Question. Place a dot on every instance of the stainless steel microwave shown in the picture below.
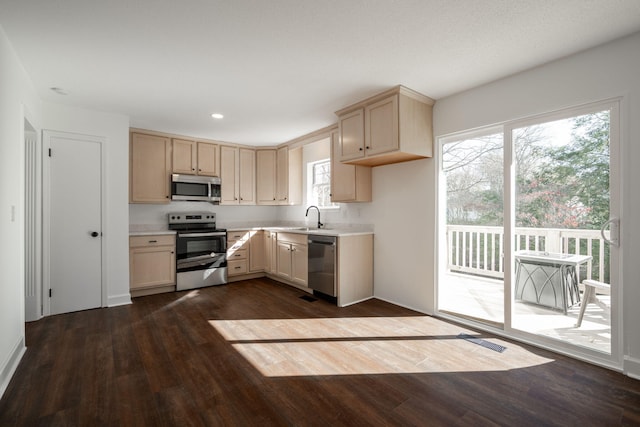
(195, 188)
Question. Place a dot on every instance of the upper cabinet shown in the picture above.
(349, 183)
(289, 176)
(237, 173)
(149, 168)
(195, 157)
(266, 177)
(208, 159)
(394, 126)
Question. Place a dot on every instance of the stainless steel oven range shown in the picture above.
(201, 250)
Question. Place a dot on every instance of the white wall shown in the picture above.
(115, 129)
(605, 72)
(18, 98)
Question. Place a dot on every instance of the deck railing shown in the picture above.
(478, 250)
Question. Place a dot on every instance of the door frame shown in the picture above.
(46, 214)
(616, 359)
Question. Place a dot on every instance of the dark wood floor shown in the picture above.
(249, 354)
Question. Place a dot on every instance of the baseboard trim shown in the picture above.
(631, 367)
(419, 310)
(11, 364)
(116, 300)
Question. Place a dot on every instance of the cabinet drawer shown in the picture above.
(300, 239)
(151, 240)
(236, 254)
(237, 245)
(237, 267)
(237, 235)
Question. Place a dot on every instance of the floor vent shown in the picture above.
(495, 347)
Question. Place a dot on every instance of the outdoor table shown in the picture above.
(548, 279)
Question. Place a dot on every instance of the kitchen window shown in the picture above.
(319, 184)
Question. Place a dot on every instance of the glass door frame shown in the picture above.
(613, 360)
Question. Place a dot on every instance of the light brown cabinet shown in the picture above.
(392, 127)
(237, 173)
(292, 258)
(266, 177)
(152, 264)
(185, 156)
(195, 157)
(279, 176)
(349, 183)
(289, 176)
(354, 269)
(238, 243)
(149, 168)
(208, 159)
(270, 252)
(257, 251)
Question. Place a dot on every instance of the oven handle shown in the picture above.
(213, 234)
(192, 262)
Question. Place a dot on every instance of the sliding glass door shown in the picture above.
(528, 230)
(472, 273)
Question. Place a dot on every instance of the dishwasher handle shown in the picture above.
(321, 242)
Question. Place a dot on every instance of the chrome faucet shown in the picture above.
(307, 214)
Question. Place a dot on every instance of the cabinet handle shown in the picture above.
(360, 148)
(153, 241)
(367, 147)
(238, 268)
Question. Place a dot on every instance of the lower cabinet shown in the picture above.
(283, 256)
(152, 264)
(292, 258)
(270, 252)
(238, 252)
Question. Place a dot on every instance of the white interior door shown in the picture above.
(73, 202)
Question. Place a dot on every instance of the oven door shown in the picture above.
(203, 247)
(201, 260)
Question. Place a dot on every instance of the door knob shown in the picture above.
(94, 234)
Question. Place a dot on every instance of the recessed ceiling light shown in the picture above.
(217, 116)
(59, 90)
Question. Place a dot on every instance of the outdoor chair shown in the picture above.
(590, 288)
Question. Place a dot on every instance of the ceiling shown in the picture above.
(278, 69)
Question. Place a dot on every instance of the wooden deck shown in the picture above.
(483, 298)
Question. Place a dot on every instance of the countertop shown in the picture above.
(342, 230)
(148, 230)
(329, 231)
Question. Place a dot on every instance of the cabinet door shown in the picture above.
(381, 126)
(299, 264)
(152, 266)
(150, 169)
(257, 251)
(208, 159)
(228, 175)
(343, 176)
(247, 176)
(184, 156)
(266, 177)
(282, 175)
(349, 183)
(284, 259)
(351, 128)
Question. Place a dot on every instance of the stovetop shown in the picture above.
(194, 222)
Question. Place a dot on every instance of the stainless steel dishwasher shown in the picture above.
(322, 264)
